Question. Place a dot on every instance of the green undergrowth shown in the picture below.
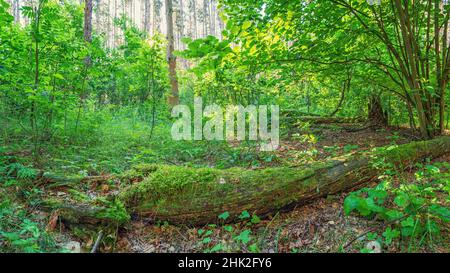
(21, 230)
(414, 211)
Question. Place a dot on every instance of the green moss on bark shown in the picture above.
(187, 195)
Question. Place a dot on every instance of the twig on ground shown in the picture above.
(97, 242)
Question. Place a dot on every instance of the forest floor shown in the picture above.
(320, 226)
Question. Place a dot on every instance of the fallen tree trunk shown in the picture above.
(197, 196)
(323, 120)
(87, 212)
(296, 112)
(54, 181)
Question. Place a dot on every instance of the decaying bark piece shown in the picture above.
(197, 196)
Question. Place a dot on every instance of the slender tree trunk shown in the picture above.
(87, 60)
(445, 74)
(33, 110)
(174, 97)
(157, 16)
(345, 87)
(212, 17)
(88, 27)
(205, 18)
(147, 16)
(194, 8)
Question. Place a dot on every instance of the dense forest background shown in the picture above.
(192, 18)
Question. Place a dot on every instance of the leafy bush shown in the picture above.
(415, 211)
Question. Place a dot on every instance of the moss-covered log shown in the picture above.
(293, 115)
(197, 196)
(89, 212)
(322, 120)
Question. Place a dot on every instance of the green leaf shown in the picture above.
(244, 215)
(353, 202)
(433, 227)
(246, 25)
(235, 30)
(390, 234)
(244, 236)
(374, 207)
(58, 76)
(350, 147)
(255, 219)
(228, 228)
(371, 236)
(224, 216)
(408, 222)
(253, 248)
(442, 212)
(402, 200)
(365, 250)
(217, 248)
(394, 214)
(432, 169)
